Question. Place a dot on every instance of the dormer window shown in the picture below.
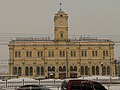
(61, 15)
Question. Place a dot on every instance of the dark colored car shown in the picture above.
(79, 84)
(32, 87)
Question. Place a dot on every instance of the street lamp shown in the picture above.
(102, 68)
(115, 62)
(66, 64)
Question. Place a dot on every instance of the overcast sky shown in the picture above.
(36, 16)
(86, 17)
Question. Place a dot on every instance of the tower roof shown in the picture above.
(60, 12)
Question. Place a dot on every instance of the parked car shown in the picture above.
(32, 87)
(79, 84)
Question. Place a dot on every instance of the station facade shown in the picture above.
(61, 57)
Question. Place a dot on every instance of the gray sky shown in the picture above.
(36, 16)
(86, 17)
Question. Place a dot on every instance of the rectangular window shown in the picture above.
(73, 53)
(17, 54)
(94, 53)
(50, 53)
(62, 53)
(39, 54)
(105, 53)
(28, 53)
(84, 53)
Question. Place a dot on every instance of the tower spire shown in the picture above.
(60, 6)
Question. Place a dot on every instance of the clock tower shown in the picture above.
(61, 26)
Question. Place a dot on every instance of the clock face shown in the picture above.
(61, 22)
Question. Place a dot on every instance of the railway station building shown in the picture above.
(62, 56)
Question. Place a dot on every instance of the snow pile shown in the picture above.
(98, 77)
(22, 78)
(88, 78)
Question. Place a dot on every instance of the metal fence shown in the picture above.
(13, 84)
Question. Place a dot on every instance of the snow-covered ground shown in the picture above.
(12, 83)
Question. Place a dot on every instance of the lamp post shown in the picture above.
(66, 64)
(102, 68)
(115, 62)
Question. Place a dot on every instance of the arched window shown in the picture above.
(93, 70)
(108, 70)
(64, 68)
(19, 71)
(49, 68)
(42, 70)
(15, 71)
(104, 70)
(38, 70)
(82, 70)
(71, 68)
(26, 71)
(53, 68)
(60, 68)
(97, 70)
(75, 68)
(61, 35)
(86, 70)
(31, 71)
